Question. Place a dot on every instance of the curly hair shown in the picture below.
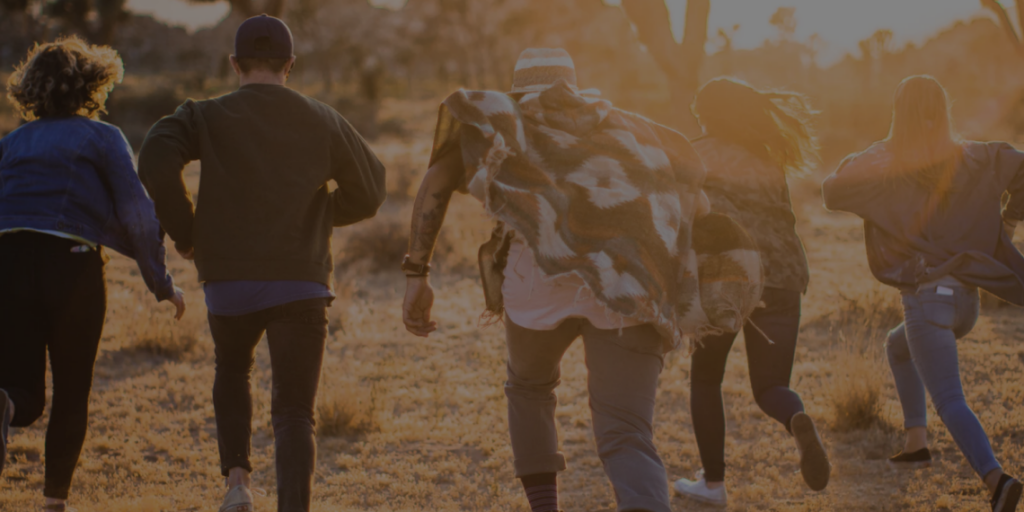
(64, 78)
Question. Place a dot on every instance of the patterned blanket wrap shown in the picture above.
(608, 195)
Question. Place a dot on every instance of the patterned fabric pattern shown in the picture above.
(754, 193)
(593, 190)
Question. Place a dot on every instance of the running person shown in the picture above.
(68, 188)
(261, 240)
(753, 140)
(935, 229)
(595, 203)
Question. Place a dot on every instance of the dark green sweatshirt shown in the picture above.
(267, 154)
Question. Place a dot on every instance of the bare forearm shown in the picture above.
(431, 206)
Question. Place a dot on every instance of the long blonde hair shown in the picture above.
(774, 125)
(924, 147)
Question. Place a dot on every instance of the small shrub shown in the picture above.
(383, 244)
(156, 332)
(855, 386)
(864, 316)
(343, 408)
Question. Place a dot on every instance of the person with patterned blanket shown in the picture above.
(596, 237)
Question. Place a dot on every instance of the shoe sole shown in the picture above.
(699, 498)
(1010, 499)
(814, 465)
(237, 507)
(909, 466)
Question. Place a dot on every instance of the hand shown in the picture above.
(188, 255)
(179, 303)
(419, 299)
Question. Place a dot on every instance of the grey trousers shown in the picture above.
(622, 382)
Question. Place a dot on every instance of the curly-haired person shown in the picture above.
(68, 188)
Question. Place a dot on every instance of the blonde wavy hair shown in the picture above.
(65, 78)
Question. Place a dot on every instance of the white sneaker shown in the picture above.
(698, 490)
(238, 499)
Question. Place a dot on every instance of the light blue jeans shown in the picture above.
(922, 355)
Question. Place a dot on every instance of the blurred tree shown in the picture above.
(249, 8)
(96, 20)
(1004, 20)
(784, 20)
(681, 62)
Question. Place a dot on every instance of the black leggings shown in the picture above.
(51, 299)
(296, 333)
(770, 368)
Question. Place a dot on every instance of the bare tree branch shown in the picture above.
(1004, 19)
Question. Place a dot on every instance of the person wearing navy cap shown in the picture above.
(261, 242)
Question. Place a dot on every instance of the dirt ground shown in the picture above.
(410, 424)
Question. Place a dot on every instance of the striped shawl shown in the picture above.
(607, 195)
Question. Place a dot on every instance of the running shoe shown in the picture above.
(698, 490)
(814, 464)
(238, 499)
(1007, 495)
(915, 460)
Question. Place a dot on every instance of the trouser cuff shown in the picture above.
(553, 463)
(226, 467)
(645, 503)
(915, 422)
(56, 492)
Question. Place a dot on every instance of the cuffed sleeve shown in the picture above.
(136, 213)
(1011, 162)
(169, 146)
(359, 175)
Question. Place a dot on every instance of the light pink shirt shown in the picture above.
(536, 301)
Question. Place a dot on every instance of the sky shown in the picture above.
(841, 23)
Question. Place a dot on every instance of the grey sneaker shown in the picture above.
(814, 464)
(698, 490)
(238, 499)
(5, 425)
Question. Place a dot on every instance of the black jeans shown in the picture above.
(296, 333)
(770, 368)
(51, 299)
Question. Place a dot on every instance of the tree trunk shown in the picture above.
(681, 63)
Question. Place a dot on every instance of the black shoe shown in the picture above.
(814, 465)
(917, 460)
(1007, 494)
(5, 425)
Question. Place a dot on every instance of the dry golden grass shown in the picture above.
(411, 424)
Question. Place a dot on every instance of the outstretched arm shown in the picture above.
(440, 182)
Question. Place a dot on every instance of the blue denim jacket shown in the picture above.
(78, 176)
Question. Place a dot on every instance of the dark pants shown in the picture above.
(296, 333)
(770, 368)
(51, 299)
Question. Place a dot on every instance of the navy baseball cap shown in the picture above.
(263, 37)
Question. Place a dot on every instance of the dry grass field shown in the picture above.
(410, 424)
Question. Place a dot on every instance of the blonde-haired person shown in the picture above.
(935, 229)
(68, 188)
(753, 140)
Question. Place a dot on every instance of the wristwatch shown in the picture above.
(415, 269)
